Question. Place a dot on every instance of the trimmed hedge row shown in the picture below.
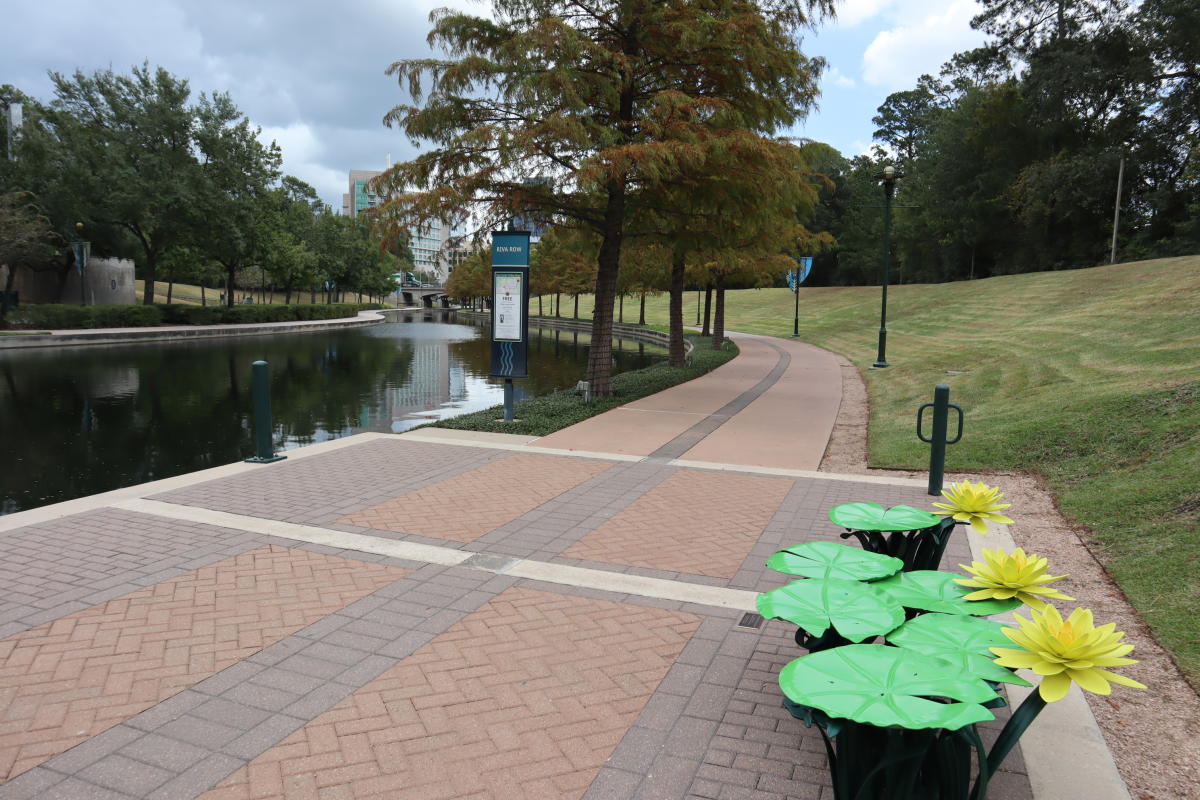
(42, 317)
(226, 315)
(63, 317)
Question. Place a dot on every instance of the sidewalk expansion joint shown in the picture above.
(581, 577)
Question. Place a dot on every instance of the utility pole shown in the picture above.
(1117, 211)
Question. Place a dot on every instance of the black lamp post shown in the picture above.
(82, 251)
(888, 178)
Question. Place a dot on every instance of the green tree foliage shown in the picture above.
(573, 110)
(26, 237)
(1011, 159)
(132, 158)
(472, 277)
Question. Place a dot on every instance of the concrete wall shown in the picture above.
(109, 282)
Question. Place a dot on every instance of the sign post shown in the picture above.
(510, 307)
(795, 278)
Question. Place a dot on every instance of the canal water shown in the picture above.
(82, 420)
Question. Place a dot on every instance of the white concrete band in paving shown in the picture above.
(635, 584)
(525, 444)
(618, 582)
(880, 480)
(93, 502)
(1065, 752)
(502, 441)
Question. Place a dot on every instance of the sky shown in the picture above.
(311, 73)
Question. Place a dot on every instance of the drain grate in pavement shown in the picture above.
(751, 621)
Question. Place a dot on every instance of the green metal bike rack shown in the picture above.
(937, 440)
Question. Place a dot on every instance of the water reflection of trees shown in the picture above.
(68, 434)
(80, 421)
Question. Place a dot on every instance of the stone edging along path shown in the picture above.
(71, 338)
(635, 332)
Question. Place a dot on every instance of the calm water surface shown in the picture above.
(84, 420)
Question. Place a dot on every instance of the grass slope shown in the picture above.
(1089, 378)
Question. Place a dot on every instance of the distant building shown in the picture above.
(361, 197)
(428, 243)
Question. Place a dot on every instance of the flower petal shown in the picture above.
(1054, 687)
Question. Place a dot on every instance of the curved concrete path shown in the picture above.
(773, 406)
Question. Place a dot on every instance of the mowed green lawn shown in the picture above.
(1090, 378)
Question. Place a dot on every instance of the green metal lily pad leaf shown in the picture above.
(886, 687)
(873, 517)
(831, 560)
(959, 639)
(856, 610)
(934, 590)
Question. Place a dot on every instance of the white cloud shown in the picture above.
(898, 56)
(302, 151)
(839, 79)
(852, 12)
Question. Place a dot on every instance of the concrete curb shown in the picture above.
(1065, 752)
(182, 332)
(621, 331)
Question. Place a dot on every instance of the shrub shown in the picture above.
(63, 317)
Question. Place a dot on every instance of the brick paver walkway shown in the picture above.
(526, 697)
(71, 679)
(702, 523)
(467, 506)
(315, 645)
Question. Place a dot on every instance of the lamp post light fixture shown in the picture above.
(888, 179)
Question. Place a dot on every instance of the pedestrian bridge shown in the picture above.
(425, 296)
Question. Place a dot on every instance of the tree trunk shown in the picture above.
(707, 330)
(151, 268)
(675, 314)
(203, 299)
(719, 317)
(312, 296)
(287, 295)
(557, 305)
(229, 288)
(576, 307)
(539, 305)
(642, 311)
(608, 266)
(621, 312)
(170, 288)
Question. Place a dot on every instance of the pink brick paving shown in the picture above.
(524, 698)
(467, 506)
(71, 679)
(703, 523)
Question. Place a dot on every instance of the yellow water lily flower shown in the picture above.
(1006, 575)
(1067, 651)
(977, 504)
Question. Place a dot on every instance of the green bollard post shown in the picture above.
(264, 445)
(937, 440)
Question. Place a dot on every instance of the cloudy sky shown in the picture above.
(311, 72)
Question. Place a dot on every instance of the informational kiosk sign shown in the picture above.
(510, 304)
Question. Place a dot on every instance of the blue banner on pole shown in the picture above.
(800, 273)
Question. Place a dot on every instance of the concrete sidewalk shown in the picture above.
(439, 614)
(773, 406)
